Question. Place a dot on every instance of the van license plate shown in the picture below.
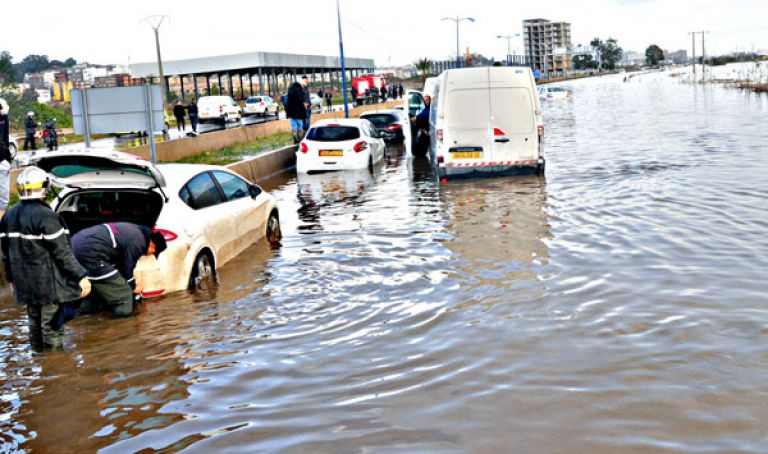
(466, 155)
(331, 153)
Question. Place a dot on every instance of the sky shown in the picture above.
(392, 32)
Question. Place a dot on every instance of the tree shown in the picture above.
(7, 71)
(654, 55)
(70, 62)
(609, 52)
(424, 66)
(584, 61)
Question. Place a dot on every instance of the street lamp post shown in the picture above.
(343, 66)
(155, 22)
(509, 46)
(458, 20)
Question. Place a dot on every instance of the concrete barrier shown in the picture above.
(266, 164)
(175, 150)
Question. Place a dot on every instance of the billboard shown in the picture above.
(118, 109)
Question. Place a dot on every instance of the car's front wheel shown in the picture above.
(203, 272)
(274, 233)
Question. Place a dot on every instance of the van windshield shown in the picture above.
(333, 133)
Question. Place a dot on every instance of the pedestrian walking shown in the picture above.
(307, 101)
(192, 113)
(179, 113)
(109, 252)
(296, 110)
(39, 262)
(5, 159)
(30, 129)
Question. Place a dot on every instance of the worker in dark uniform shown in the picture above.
(39, 262)
(110, 252)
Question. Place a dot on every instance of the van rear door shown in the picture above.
(513, 122)
(466, 110)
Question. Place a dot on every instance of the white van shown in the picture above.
(218, 109)
(486, 121)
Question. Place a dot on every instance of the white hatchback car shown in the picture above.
(260, 105)
(218, 108)
(339, 144)
(207, 214)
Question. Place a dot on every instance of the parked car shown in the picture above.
(218, 109)
(260, 105)
(553, 93)
(316, 102)
(485, 121)
(207, 214)
(389, 123)
(338, 144)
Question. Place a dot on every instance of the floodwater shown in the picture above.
(616, 304)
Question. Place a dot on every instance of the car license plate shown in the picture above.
(331, 153)
(466, 155)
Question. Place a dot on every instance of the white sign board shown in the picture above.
(118, 109)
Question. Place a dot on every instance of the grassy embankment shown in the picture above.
(234, 153)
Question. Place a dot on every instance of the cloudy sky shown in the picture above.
(392, 32)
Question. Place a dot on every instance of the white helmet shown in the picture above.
(32, 183)
(30, 114)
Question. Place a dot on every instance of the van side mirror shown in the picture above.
(254, 190)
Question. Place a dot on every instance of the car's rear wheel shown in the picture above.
(274, 233)
(12, 150)
(203, 274)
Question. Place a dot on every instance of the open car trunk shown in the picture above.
(85, 208)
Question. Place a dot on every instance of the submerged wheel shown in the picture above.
(274, 233)
(203, 272)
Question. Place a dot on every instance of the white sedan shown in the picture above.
(207, 214)
(260, 105)
(339, 144)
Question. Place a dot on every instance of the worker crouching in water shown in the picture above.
(109, 252)
(39, 261)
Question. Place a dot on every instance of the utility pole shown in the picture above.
(154, 23)
(703, 56)
(693, 53)
(343, 66)
(458, 20)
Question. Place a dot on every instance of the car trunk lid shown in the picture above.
(89, 169)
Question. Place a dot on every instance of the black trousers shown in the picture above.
(180, 123)
(30, 139)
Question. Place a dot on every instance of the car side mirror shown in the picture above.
(254, 190)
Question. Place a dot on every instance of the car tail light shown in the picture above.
(439, 135)
(541, 132)
(304, 147)
(167, 234)
(498, 132)
(221, 109)
(440, 159)
(394, 127)
(361, 146)
(261, 104)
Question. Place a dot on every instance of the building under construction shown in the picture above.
(548, 46)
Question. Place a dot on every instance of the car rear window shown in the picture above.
(252, 100)
(333, 133)
(380, 120)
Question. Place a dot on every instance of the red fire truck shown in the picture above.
(366, 82)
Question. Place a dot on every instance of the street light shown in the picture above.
(343, 66)
(155, 22)
(458, 20)
(509, 46)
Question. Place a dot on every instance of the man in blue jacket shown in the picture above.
(109, 252)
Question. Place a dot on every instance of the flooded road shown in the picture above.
(618, 303)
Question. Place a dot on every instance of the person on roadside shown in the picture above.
(329, 100)
(30, 129)
(109, 252)
(383, 94)
(192, 113)
(39, 262)
(179, 113)
(400, 90)
(296, 110)
(353, 93)
(5, 160)
(307, 100)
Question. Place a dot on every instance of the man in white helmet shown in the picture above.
(39, 261)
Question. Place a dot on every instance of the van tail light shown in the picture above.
(394, 127)
(167, 234)
(304, 147)
(361, 146)
(221, 109)
(541, 132)
(439, 135)
(498, 132)
(440, 159)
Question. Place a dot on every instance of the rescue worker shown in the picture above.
(39, 261)
(110, 252)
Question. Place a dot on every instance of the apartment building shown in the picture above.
(548, 46)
